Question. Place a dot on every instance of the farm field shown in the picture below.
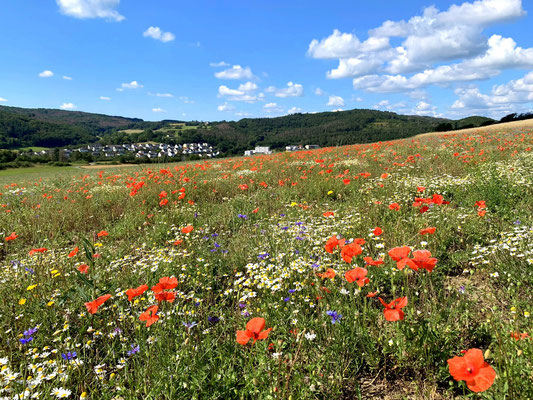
(390, 270)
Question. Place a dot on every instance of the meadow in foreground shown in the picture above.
(390, 270)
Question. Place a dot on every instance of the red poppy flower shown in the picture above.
(481, 213)
(163, 202)
(519, 336)
(350, 251)
(166, 296)
(39, 250)
(423, 259)
(150, 315)
(330, 274)
(73, 252)
(473, 369)
(398, 253)
(165, 283)
(333, 242)
(481, 204)
(187, 229)
(426, 231)
(370, 261)
(357, 275)
(393, 310)
(102, 233)
(92, 306)
(136, 291)
(254, 330)
(377, 231)
(255, 210)
(328, 214)
(394, 206)
(420, 188)
(83, 268)
(13, 236)
(372, 294)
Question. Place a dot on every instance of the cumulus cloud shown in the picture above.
(46, 74)
(272, 108)
(226, 107)
(167, 95)
(156, 33)
(67, 78)
(219, 64)
(294, 110)
(245, 92)
(514, 96)
(159, 110)
(131, 85)
(91, 9)
(2, 100)
(235, 72)
(105, 98)
(292, 90)
(345, 45)
(319, 92)
(436, 47)
(335, 101)
(67, 106)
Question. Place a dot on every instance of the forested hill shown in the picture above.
(20, 127)
(323, 129)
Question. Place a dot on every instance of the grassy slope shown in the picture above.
(479, 292)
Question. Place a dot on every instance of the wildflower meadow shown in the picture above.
(390, 270)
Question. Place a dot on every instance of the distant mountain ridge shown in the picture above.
(21, 127)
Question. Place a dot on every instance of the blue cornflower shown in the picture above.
(189, 325)
(213, 319)
(69, 356)
(134, 350)
(335, 317)
(30, 331)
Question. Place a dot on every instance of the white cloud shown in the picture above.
(319, 92)
(186, 100)
(91, 9)
(345, 45)
(219, 64)
(294, 110)
(245, 92)
(423, 106)
(156, 33)
(336, 101)
(354, 67)
(429, 42)
(46, 74)
(514, 96)
(2, 99)
(159, 110)
(167, 95)
(292, 90)
(131, 85)
(235, 72)
(67, 78)
(226, 107)
(272, 108)
(248, 86)
(105, 98)
(67, 106)
(242, 114)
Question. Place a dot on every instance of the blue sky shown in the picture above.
(216, 60)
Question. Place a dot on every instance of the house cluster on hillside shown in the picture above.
(149, 150)
(301, 147)
(266, 149)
